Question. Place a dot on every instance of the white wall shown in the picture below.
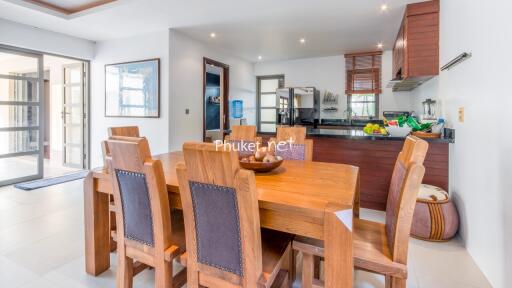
(328, 74)
(186, 64)
(28, 37)
(481, 158)
(147, 46)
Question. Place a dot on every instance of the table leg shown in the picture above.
(339, 265)
(97, 228)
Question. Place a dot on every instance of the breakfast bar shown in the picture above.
(375, 156)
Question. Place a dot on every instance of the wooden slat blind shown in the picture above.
(363, 72)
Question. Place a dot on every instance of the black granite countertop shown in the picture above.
(358, 134)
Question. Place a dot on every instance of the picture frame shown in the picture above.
(132, 89)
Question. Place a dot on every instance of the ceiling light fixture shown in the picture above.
(259, 57)
(212, 35)
(380, 45)
(302, 40)
(384, 7)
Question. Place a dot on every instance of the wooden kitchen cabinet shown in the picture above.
(416, 48)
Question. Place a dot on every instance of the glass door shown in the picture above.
(73, 115)
(21, 109)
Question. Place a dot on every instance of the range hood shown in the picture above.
(407, 84)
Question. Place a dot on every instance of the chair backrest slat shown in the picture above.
(244, 139)
(403, 190)
(220, 207)
(243, 132)
(127, 131)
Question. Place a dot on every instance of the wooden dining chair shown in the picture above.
(113, 133)
(147, 230)
(297, 147)
(380, 248)
(246, 134)
(126, 131)
(225, 245)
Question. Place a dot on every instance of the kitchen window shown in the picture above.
(363, 105)
(363, 84)
(267, 101)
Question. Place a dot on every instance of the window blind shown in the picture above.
(363, 71)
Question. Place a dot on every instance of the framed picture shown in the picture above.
(132, 89)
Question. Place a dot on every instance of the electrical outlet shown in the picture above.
(461, 114)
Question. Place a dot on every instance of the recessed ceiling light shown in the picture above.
(259, 57)
(212, 35)
(384, 7)
(302, 40)
(380, 45)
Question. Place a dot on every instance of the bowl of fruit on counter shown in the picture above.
(405, 125)
(264, 160)
(375, 130)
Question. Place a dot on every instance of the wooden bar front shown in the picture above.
(376, 159)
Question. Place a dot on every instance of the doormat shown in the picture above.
(36, 184)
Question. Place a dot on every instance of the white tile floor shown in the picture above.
(42, 242)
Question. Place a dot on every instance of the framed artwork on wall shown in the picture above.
(132, 89)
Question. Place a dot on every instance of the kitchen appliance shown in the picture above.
(298, 106)
(393, 115)
(429, 110)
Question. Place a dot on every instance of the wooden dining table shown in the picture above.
(312, 199)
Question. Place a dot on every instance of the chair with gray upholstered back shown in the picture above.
(297, 146)
(116, 133)
(246, 134)
(225, 245)
(146, 229)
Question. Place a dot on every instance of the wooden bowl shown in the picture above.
(426, 134)
(261, 166)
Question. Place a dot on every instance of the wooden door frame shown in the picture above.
(225, 96)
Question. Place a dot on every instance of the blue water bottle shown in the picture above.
(237, 106)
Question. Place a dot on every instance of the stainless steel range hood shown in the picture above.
(407, 84)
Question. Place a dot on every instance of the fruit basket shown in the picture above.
(261, 166)
(263, 160)
(421, 134)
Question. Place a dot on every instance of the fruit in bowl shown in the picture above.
(374, 129)
(263, 160)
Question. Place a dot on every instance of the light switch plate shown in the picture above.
(461, 114)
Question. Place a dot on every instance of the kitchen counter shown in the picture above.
(376, 157)
(356, 133)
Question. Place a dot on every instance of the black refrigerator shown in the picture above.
(298, 106)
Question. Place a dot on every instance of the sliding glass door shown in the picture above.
(21, 88)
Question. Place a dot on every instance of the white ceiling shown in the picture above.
(247, 28)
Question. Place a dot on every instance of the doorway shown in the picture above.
(215, 100)
(43, 119)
